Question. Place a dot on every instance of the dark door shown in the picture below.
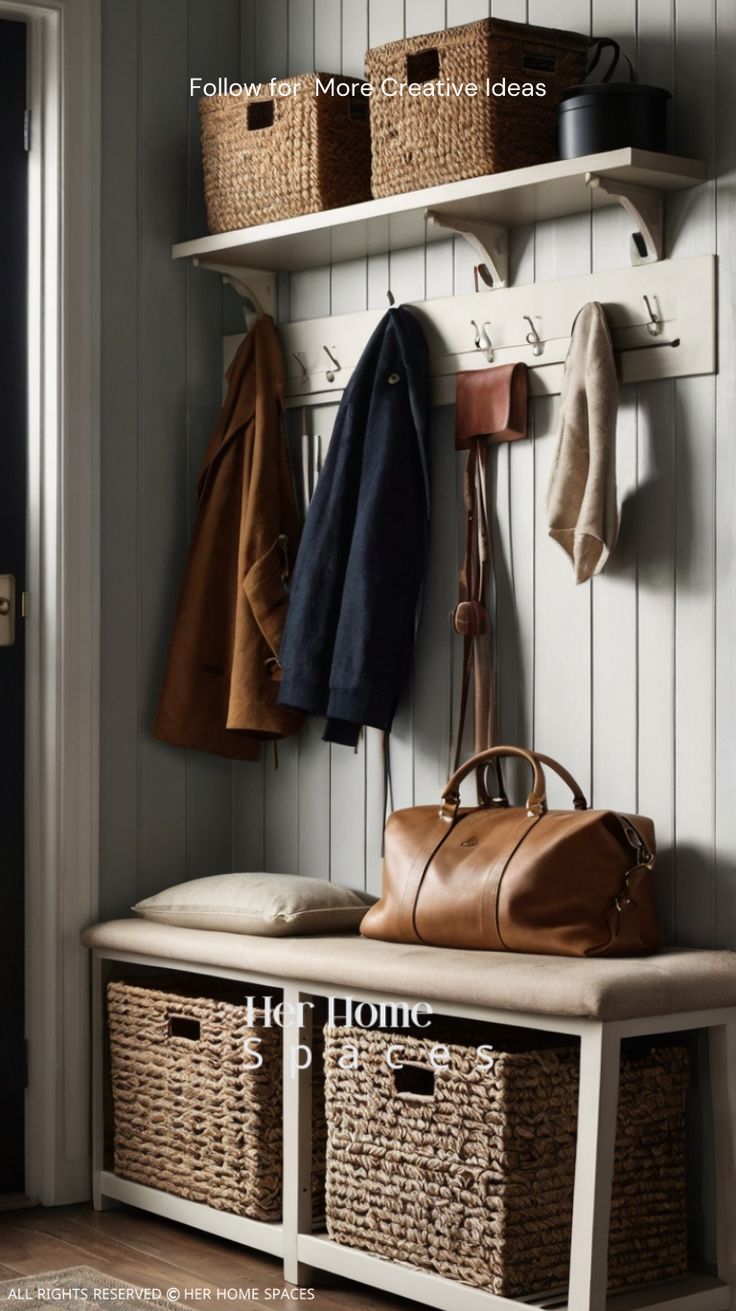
(13, 446)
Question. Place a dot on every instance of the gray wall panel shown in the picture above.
(628, 681)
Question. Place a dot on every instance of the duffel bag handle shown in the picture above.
(536, 802)
(578, 796)
(451, 794)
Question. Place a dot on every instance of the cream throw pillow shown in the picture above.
(273, 905)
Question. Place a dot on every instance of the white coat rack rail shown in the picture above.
(662, 316)
(479, 209)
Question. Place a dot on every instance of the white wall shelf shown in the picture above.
(505, 200)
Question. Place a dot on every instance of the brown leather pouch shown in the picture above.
(491, 404)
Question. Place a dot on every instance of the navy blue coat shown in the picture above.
(347, 646)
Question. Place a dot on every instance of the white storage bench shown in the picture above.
(600, 1002)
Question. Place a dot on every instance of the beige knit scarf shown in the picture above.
(582, 504)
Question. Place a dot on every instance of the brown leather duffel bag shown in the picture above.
(518, 878)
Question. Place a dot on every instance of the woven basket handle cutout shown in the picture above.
(260, 115)
(423, 65)
(414, 1082)
(536, 62)
(182, 1026)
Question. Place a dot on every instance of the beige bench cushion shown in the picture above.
(675, 981)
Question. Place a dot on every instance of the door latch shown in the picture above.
(7, 610)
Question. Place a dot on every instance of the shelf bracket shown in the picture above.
(645, 207)
(489, 240)
(254, 285)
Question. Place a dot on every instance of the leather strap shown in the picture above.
(471, 620)
(491, 407)
(634, 837)
(632, 878)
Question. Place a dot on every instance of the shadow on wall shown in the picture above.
(656, 58)
(623, 560)
(696, 872)
(664, 885)
(652, 501)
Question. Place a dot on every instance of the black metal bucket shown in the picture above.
(607, 115)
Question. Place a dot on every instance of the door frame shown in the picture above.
(62, 666)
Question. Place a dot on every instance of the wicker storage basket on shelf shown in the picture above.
(273, 157)
(190, 1117)
(423, 140)
(469, 1173)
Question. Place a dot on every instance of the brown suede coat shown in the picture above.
(219, 692)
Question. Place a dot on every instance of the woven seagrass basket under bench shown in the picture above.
(192, 1117)
(468, 1170)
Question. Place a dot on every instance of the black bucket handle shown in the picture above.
(596, 50)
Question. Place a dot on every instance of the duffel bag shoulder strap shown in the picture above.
(636, 841)
(632, 918)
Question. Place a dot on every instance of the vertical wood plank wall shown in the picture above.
(629, 681)
(165, 814)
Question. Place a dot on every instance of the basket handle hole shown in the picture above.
(260, 115)
(181, 1027)
(414, 1081)
(423, 66)
(539, 63)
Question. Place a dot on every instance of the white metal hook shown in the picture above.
(330, 375)
(533, 337)
(655, 323)
(488, 346)
(302, 365)
(476, 339)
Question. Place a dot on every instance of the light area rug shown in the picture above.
(83, 1287)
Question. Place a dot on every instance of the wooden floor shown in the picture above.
(143, 1250)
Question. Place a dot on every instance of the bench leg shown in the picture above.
(600, 1055)
(723, 1082)
(297, 1167)
(99, 1021)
